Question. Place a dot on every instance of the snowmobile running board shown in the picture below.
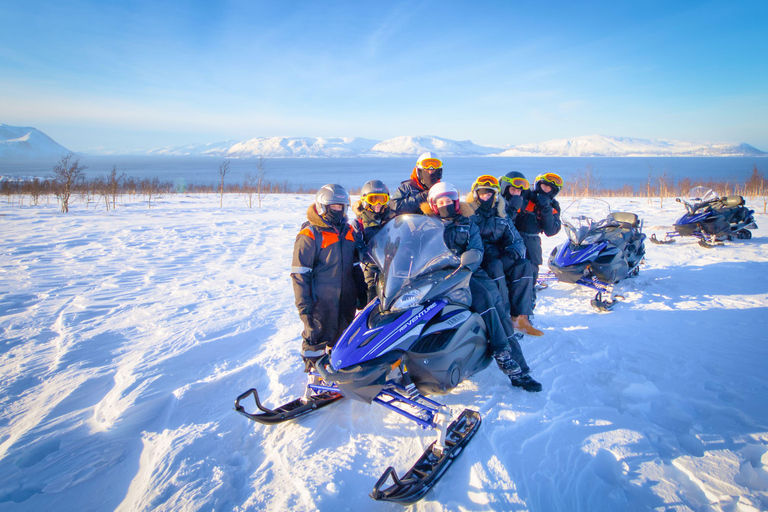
(430, 467)
(289, 411)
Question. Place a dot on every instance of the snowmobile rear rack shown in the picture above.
(289, 411)
(431, 465)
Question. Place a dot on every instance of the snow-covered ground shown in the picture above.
(125, 337)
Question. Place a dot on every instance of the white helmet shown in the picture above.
(444, 189)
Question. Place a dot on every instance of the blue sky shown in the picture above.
(146, 74)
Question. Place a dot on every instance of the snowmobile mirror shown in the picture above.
(470, 258)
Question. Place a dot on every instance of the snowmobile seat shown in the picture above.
(731, 201)
(626, 219)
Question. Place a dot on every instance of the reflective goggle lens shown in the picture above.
(486, 181)
(520, 183)
(431, 163)
(376, 199)
(551, 178)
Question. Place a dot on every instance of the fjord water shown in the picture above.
(612, 172)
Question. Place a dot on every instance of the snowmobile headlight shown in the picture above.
(412, 297)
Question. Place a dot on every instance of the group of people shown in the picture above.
(501, 218)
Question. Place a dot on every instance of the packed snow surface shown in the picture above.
(127, 335)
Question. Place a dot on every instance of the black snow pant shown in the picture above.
(371, 272)
(534, 254)
(496, 276)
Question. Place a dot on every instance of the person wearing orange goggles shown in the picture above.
(372, 211)
(412, 193)
(533, 210)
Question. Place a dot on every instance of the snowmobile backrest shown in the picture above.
(626, 219)
(731, 201)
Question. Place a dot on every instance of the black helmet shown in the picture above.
(331, 194)
(513, 179)
(374, 192)
(554, 181)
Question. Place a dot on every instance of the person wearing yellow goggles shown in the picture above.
(412, 193)
(372, 211)
(533, 210)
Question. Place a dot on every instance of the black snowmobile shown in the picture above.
(417, 338)
(711, 218)
(598, 253)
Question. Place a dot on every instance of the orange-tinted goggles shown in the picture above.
(431, 163)
(551, 178)
(374, 199)
(520, 183)
(486, 181)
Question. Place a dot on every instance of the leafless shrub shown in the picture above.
(223, 168)
(66, 174)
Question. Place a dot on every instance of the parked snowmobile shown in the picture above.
(598, 253)
(711, 218)
(418, 337)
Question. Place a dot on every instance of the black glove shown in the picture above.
(544, 200)
(514, 203)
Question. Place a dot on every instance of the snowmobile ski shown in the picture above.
(431, 465)
(289, 411)
(667, 240)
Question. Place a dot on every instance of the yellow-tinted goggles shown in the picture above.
(374, 199)
(431, 163)
(520, 183)
(486, 181)
(550, 178)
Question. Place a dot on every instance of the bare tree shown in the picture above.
(665, 184)
(66, 174)
(248, 189)
(261, 174)
(223, 168)
(113, 185)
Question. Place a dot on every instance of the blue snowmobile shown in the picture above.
(417, 338)
(711, 218)
(603, 248)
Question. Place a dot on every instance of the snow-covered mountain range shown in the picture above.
(21, 142)
(18, 142)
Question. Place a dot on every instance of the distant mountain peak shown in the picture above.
(22, 142)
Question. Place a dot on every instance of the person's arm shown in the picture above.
(511, 241)
(549, 215)
(406, 199)
(302, 267)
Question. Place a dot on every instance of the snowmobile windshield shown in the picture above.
(409, 247)
(698, 197)
(584, 218)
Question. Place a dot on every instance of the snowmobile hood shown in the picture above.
(360, 344)
(569, 254)
(693, 218)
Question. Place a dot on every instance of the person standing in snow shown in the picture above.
(323, 273)
(462, 236)
(372, 211)
(412, 193)
(504, 256)
(532, 212)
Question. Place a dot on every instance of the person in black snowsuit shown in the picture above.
(326, 280)
(412, 193)
(504, 258)
(372, 211)
(462, 235)
(533, 211)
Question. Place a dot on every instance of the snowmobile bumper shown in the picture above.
(430, 466)
(360, 382)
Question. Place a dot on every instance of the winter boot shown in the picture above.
(506, 364)
(522, 324)
(525, 381)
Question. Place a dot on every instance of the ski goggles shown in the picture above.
(430, 163)
(550, 178)
(374, 199)
(520, 183)
(486, 181)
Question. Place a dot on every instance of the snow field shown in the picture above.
(125, 337)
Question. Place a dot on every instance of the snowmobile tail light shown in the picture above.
(411, 298)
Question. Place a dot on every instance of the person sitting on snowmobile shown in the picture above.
(463, 235)
(533, 211)
(412, 193)
(372, 211)
(323, 273)
(504, 258)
